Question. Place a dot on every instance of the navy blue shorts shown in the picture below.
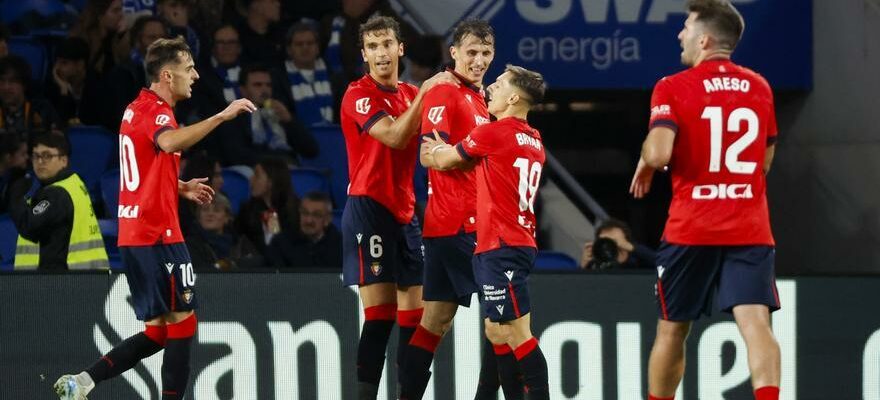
(160, 278)
(449, 271)
(376, 248)
(691, 276)
(502, 276)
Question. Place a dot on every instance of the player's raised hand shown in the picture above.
(641, 182)
(441, 78)
(237, 107)
(195, 190)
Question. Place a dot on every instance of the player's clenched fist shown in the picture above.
(237, 107)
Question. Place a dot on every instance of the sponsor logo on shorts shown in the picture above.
(376, 268)
(660, 270)
(359, 237)
(509, 275)
(500, 309)
(490, 293)
(169, 267)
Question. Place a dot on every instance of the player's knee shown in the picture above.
(676, 332)
(497, 333)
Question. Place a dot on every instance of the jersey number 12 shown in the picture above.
(716, 128)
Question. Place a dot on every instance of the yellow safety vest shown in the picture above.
(86, 248)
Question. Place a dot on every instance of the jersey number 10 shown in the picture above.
(129, 177)
(716, 128)
(529, 179)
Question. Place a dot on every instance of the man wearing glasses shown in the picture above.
(318, 244)
(57, 225)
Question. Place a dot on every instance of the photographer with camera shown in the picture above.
(614, 249)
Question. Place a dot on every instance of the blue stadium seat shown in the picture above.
(8, 237)
(237, 188)
(110, 233)
(337, 218)
(548, 260)
(306, 180)
(92, 148)
(32, 51)
(110, 192)
(332, 156)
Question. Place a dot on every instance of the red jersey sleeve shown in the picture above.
(476, 145)
(772, 130)
(364, 108)
(163, 121)
(438, 109)
(663, 107)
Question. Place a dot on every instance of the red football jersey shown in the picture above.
(452, 195)
(724, 120)
(148, 176)
(374, 169)
(511, 157)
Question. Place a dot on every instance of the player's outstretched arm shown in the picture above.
(396, 133)
(183, 138)
(439, 155)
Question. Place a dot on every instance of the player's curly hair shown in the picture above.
(163, 52)
(379, 23)
(477, 28)
(530, 82)
(721, 18)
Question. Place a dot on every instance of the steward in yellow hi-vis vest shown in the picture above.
(57, 225)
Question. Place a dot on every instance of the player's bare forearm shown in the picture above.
(183, 138)
(446, 158)
(657, 148)
(397, 133)
(768, 158)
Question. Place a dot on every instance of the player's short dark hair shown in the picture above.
(140, 24)
(477, 28)
(302, 26)
(52, 140)
(73, 48)
(614, 223)
(18, 67)
(163, 52)
(249, 69)
(379, 23)
(530, 82)
(722, 19)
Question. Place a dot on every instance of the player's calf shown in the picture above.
(378, 322)
(175, 364)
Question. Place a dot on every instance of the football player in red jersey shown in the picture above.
(158, 266)
(509, 157)
(449, 226)
(382, 244)
(714, 127)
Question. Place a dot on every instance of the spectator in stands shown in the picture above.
(424, 58)
(614, 249)
(57, 225)
(19, 115)
(308, 80)
(340, 33)
(127, 78)
(199, 165)
(219, 75)
(261, 35)
(317, 244)
(272, 208)
(13, 165)
(215, 219)
(102, 26)
(271, 130)
(69, 79)
(4, 41)
(175, 13)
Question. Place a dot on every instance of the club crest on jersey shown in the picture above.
(435, 114)
(362, 106)
(162, 119)
(500, 309)
(187, 296)
(41, 207)
(376, 268)
(509, 275)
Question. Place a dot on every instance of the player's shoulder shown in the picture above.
(754, 76)
(356, 89)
